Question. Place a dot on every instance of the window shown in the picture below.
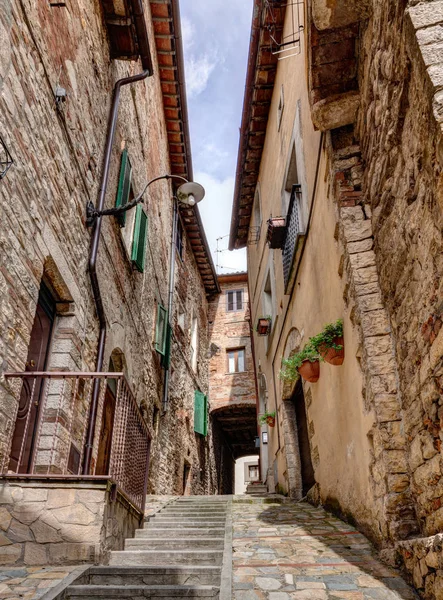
(181, 317)
(200, 413)
(253, 472)
(194, 342)
(268, 298)
(124, 186)
(161, 329)
(291, 180)
(138, 253)
(234, 300)
(281, 106)
(236, 360)
(179, 237)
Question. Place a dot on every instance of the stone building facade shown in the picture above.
(357, 140)
(59, 68)
(232, 389)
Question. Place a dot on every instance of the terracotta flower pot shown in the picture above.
(271, 421)
(310, 371)
(333, 356)
(263, 326)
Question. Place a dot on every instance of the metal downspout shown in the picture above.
(92, 266)
(170, 297)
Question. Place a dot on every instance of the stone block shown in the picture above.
(432, 53)
(383, 384)
(77, 514)
(415, 454)
(362, 289)
(377, 345)
(91, 496)
(5, 518)
(362, 260)
(44, 533)
(27, 512)
(425, 14)
(30, 494)
(357, 231)
(87, 534)
(336, 111)
(60, 497)
(35, 554)
(398, 482)
(9, 555)
(436, 75)
(357, 247)
(66, 553)
(387, 407)
(375, 323)
(395, 461)
(370, 302)
(378, 365)
(365, 276)
(428, 474)
(5, 494)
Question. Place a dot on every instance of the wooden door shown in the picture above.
(307, 470)
(23, 440)
(104, 449)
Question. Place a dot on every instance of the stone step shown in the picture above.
(189, 575)
(184, 524)
(176, 544)
(166, 557)
(191, 509)
(191, 514)
(186, 532)
(86, 592)
(194, 517)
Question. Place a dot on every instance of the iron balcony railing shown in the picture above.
(293, 231)
(121, 444)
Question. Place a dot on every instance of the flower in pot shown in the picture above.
(263, 326)
(330, 344)
(267, 418)
(305, 363)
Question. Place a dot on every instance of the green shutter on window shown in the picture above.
(124, 185)
(161, 330)
(200, 413)
(139, 241)
(166, 359)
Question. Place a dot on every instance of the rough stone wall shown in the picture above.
(62, 523)
(57, 155)
(230, 330)
(400, 135)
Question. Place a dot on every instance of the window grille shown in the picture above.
(293, 231)
(161, 330)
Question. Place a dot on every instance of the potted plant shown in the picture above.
(330, 344)
(267, 418)
(305, 363)
(276, 232)
(263, 326)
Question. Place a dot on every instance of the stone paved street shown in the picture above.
(26, 583)
(299, 552)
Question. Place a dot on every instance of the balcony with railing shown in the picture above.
(294, 237)
(51, 430)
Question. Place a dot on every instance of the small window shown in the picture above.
(179, 237)
(138, 253)
(181, 321)
(236, 360)
(194, 342)
(161, 329)
(253, 473)
(281, 106)
(234, 300)
(124, 186)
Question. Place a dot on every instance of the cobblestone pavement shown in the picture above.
(299, 552)
(26, 583)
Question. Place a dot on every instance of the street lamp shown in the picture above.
(188, 193)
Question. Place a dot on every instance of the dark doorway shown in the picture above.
(23, 441)
(186, 480)
(307, 470)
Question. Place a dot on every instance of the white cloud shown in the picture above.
(198, 71)
(215, 210)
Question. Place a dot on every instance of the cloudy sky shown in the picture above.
(216, 41)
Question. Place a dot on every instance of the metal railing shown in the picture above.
(293, 230)
(48, 435)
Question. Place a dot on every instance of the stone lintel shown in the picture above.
(335, 111)
(329, 14)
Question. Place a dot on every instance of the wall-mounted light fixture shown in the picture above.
(257, 442)
(6, 159)
(264, 437)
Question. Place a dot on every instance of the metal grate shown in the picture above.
(288, 44)
(254, 235)
(64, 399)
(292, 232)
(6, 159)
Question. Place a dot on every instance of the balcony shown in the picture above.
(294, 238)
(51, 430)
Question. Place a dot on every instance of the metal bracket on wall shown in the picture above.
(6, 159)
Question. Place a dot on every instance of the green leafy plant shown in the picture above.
(326, 339)
(265, 416)
(289, 371)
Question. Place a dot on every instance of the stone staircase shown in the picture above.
(179, 553)
(256, 489)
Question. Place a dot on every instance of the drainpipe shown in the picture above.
(170, 297)
(92, 267)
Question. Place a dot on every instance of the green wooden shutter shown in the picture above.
(200, 413)
(139, 241)
(124, 185)
(161, 330)
(166, 359)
